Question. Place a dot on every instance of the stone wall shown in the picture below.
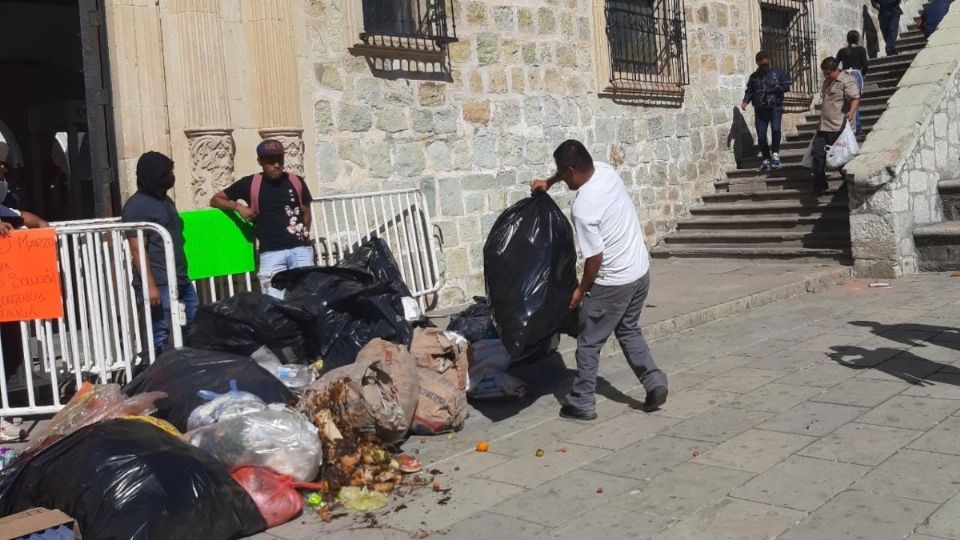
(914, 144)
(521, 80)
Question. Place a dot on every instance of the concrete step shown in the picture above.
(938, 246)
(836, 239)
(805, 132)
(748, 251)
(950, 197)
(797, 207)
(789, 172)
(771, 195)
(771, 184)
(868, 115)
(895, 59)
(828, 222)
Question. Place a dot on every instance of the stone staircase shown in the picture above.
(774, 214)
(938, 245)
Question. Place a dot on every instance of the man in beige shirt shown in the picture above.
(840, 98)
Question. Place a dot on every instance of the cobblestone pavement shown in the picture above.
(826, 416)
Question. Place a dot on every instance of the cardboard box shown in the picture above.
(35, 520)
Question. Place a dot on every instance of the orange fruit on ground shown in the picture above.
(483, 446)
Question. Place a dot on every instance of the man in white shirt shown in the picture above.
(616, 277)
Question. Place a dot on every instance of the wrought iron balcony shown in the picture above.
(648, 43)
(417, 25)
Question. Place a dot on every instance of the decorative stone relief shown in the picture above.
(211, 162)
(292, 140)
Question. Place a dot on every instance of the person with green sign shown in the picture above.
(152, 204)
(278, 204)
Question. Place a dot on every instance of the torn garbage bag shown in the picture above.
(243, 323)
(529, 264)
(125, 479)
(182, 373)
(349, 309)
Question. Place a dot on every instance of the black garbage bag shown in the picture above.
(125, 479)
(474, 323)
(349, 308)
(529, 264)
(375, 257)
(243, 323)
(181, 373)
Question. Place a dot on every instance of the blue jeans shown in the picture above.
(161, 314)
(858, 76)
(274, 262)
(890, 28)
(769, 119)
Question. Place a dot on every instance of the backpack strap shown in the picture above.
(257, 185)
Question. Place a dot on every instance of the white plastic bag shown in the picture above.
(807, 160)
(844, 149)
(223, 406)
(276, 438)
(489, 361)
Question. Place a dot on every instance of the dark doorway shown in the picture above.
(54, 108)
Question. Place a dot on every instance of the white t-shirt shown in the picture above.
(606, 222)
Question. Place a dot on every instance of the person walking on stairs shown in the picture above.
(933, 13)
(888, 15)
(616, 277)
(840, 99)
(765, 90)
(853, 60)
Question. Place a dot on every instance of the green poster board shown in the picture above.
(217, 243)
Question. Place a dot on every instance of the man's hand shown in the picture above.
(154, 293)
(743, 106)
(6, 229)
(246, 212)
(576, 299)
(851, 116)
(539, 185)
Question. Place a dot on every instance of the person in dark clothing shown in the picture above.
(853, 60)
(279, 205)
(889, 13)
(933, 13)
(765, 90)
(152, 204)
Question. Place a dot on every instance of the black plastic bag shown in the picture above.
(474, 323)
(349, 308)
(181, 373)
(125, 479)
(243, 323)
(374, 256)
(529, 264)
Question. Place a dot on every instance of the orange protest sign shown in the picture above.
(29, 279)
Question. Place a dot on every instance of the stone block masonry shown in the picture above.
(520, 80)
(915, 144)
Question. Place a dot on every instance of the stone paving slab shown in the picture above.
(761, 438)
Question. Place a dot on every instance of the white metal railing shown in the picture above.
(100, 334)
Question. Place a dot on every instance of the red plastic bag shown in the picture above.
(275, 494)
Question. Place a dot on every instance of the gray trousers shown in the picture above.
(605, 311)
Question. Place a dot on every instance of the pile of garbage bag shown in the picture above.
(529, 265)
(474, 323)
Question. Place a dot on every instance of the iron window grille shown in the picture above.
(787, 35)
(408, 24)
(648, 42)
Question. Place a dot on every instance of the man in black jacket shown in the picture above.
(889, 18)
(765, 90)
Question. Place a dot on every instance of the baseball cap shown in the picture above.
(270, 147)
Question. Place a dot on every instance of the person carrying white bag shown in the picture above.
(835, 144)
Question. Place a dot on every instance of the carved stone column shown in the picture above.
(274, 58)
(206, 111)
(211, 162)
(292, 140)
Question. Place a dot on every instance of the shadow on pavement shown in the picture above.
(909, 333)
(894, 362)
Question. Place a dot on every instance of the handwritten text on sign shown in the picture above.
(29, 279)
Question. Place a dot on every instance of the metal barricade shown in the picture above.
(342, 223)
(106, 326)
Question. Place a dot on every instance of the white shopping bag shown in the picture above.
(807, 160)
(845, 149)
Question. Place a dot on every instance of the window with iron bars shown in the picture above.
(647, 43)
(787, 35)
(408, 24)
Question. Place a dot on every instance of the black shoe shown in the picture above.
(655, 398)
(572, 413)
